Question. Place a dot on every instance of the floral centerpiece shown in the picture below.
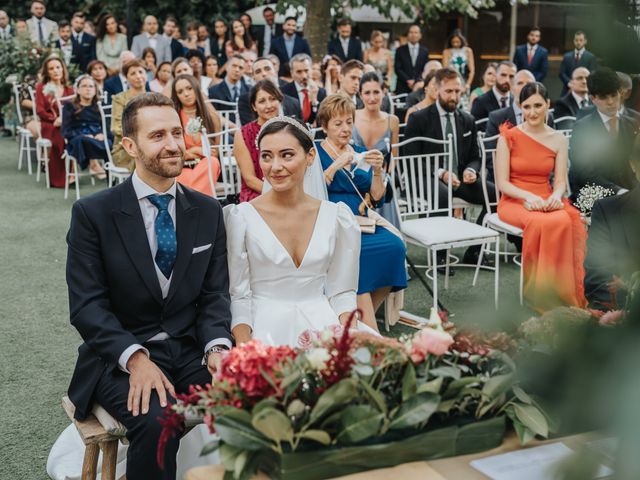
(352, 402)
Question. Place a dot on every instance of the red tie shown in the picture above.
(577, 58)
(306, 105)
(530, 56)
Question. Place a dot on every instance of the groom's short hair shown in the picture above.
(130, 113)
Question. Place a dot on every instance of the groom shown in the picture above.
(148, 287)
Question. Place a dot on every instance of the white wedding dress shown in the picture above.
(279, 301)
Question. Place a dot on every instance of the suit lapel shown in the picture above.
(186, 229)
(130, 226)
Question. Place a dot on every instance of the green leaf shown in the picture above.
(532, 418)
(210, 448)
(359, 422)
(228, 454)
(418, 409)
(446, 405)
(484, 408)
(524, 434)
(265, 403)
(376, 396)
(273, 424)
(290, 379)
(449, 372)
(241, 461)
(432, 386)
(234, 428)
(333, 397)
(408, 382)
(497, 385)
(319, 436)
(296, 408)
(457, 386)
(522, 395)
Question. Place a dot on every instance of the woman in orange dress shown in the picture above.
(554, 243)
(190, 103)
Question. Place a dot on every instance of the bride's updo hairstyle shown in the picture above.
(533, 88)
(289, 125)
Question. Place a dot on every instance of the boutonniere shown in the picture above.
(194, 126)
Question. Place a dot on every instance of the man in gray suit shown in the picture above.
(151, 38)
(42, 30)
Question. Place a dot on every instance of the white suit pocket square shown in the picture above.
(201, 249)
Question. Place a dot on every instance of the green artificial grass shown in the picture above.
(38, 344)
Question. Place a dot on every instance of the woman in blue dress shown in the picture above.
(82, 127)
(358, 181)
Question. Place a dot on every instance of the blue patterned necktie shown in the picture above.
(165, 234)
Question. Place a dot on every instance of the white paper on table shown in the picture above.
(537, 463)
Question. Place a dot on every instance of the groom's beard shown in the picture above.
(166, 169)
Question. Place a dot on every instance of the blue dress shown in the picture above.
(76, 127)
(382, 254)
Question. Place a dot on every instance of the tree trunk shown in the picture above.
(317, 27)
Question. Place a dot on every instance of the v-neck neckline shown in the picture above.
(273, 234)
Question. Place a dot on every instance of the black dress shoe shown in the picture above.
(471, 258)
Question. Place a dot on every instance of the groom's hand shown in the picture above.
(144, 377)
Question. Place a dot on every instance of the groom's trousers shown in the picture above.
(181, 361)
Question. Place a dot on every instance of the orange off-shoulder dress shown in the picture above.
(554, 243)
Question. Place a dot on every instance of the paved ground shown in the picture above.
(38, 345)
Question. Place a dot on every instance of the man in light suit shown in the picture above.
(410, 60)
(288, 44)
(151, 38)
(84, 44)
(344, 46)
(579, 57)
(42, 30)
(532, 56)
(148, 288)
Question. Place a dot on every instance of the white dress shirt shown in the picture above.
(345, 45)
(580, 99)
(518, 111)
(153, 40)
(414, 49)
(498, 94)
(67, 50)
(269, 31)
(606, 118)
(149, 213)
(77, 37)
(531, 49)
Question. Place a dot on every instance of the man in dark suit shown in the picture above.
(303, 88)
(233, 86)
(263, 69)
(613, 246)
(440, 120)
(118, 83)
(576, 101)
(289, 44)
(410, 60)
(84, 44)
(343, 45)
(601, 142)
(148, 288)
(532, 56)
(499, 96)
(168, 30)
(626, 87)
(264, 34)
(578, 57)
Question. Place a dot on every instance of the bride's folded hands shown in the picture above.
(242, 333)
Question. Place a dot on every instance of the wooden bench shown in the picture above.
(95, 438)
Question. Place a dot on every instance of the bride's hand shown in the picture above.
(242, 333)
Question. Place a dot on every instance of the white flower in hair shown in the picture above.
(50, 90)
(194, 126)
(589, 195)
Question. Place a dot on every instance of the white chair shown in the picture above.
(114, 173)
(398, 101)
(481, 122)
(418, 224)
(492, 220)
(230, 183)
(569, 120)
(228, 112)
(43, 145)
(25, 137)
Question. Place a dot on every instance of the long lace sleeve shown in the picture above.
(239, 271)
(342, 277)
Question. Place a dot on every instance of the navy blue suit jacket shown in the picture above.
(539, 63)
(291, 90)
(405, 71)
(568, 65)
(221, 92)
(334, 47)
(278, 48)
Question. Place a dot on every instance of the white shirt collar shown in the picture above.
(532, 47)
(578, 98)
(299, 87)
(77, 36)
(148, 35)
(36, 19)
(498, 94)
(606, 118)
(441, 111)
(580, 52)
(143, 190)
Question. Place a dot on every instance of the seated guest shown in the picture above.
(265, 99)
(98, 71)
(330, 70)
(379, 57)
(154, 317)
(418, 88)
(554, 236)
(613, 246)
(576, 100)
(136, 76)
(264, 34)
(240, 41)
(110, 44)
(382, 254)
(576, 58)
(203, 40)
(438, 121)
(233, 85)
(150, 61)
(410, 60)
(118, 83)
(488, 81)
(191, 104)
(82, 127)
(601, 142)
(288, 44)
(197, 60)
(211, 69)
(180, 66)
(350, 75)
(626, 86)
(263, 69)
(430, 94)
(308, 93)
(499, 96)
(343, 45)
(162, 78)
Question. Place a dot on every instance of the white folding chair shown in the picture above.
(25, 137)
(398, 101)
(568, 120)
(231, 179)
(482, 122)
(228, 112)
(42, 145)
(114, 173)
(418, 223)
(492, 220)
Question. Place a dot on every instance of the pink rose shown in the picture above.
(430, 341)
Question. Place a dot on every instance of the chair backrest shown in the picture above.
(398, 101)
(230, 173)
(105, 114)
(228, 112)
(32, 95)
(418, 175)
(482, 121)
(206, 148)
(16, 93)
(564, 123)
(488, 146)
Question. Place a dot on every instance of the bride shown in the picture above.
(293, 259)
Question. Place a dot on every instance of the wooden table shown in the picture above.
(453, 468)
